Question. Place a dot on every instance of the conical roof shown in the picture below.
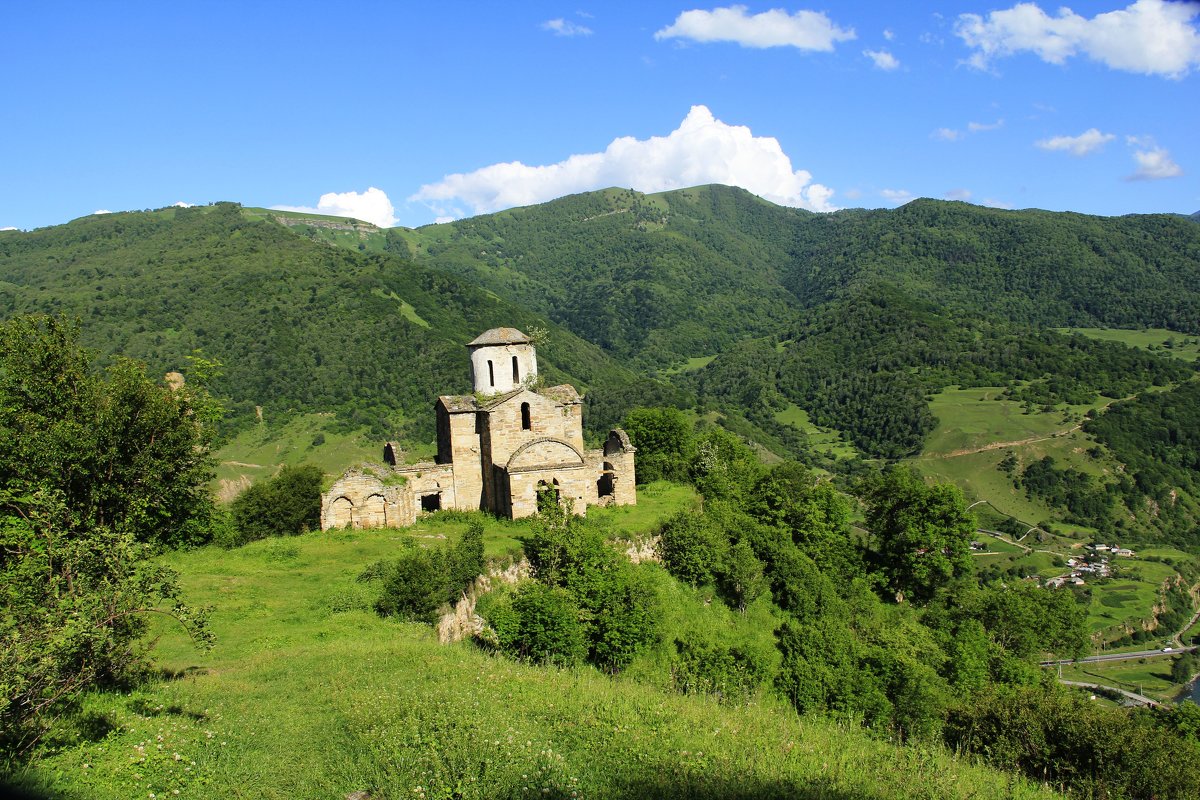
(499, 336)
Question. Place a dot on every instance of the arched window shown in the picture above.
(516, 371)
(491, 374)
(526, 421)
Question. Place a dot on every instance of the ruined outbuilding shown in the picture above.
(499, 449)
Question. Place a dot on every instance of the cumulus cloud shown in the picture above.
(979, 127)
(1151, 37)
(958, 194)
(946, 134)
(883, 59)
(101, 211)
(1154, 162)
(182, 204)
(897, 196)
(9, 228)
(804, 30)
(564, 27)
(887, 34)
(371, 206)
(991, 202)
(701, 150)
(1090, 141)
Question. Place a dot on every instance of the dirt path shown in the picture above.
(1002, 445)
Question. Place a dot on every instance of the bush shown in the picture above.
(691, 547)
(414, 586)
(731, 673)
(548, 626)
(286, 505)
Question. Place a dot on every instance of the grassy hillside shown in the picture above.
(309, 694)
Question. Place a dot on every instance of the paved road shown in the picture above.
(1174, 651)
(1140, 699)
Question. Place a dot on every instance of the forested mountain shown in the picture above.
(707, 297)
(662, 277)
(298, 325)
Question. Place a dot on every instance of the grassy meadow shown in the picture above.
(819, 439)
(308, 693)
(1182, 345)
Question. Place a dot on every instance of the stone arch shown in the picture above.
(544, 453)
(341, 512)
(373, 513)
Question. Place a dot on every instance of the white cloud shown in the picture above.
(958, 194)
(101, 211)
(1154, 162)
(1089, 141)
(887, 34)
(883, 59)
(371, 206)
(993, 203)
(564, 27)
(947, 134)
(805, 30)
(9, 228)
(898, 196)
(182, 204)
(1151, 37)
(979, 127)
(701, 150)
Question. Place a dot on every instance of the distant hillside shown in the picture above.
(299, 325)
(660, 278)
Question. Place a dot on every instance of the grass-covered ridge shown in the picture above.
(309, 694)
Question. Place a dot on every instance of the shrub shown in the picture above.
(548, 626)
(414, 586)
(286, 505)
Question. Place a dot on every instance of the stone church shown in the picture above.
(498, 449)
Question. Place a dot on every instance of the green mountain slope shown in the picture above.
(658, 278)
(299, 325)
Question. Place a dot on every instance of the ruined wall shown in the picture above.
(572, 484)
(362, 499)
(466, 453)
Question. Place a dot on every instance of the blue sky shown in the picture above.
(408, 113)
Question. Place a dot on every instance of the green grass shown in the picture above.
(310, 694)
(1186, 347)
(819, 439)
(1150, 677)
(691, 365)
(976, 431)
(258, 452)
(1125, 602)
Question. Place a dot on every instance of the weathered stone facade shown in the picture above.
(497, 450)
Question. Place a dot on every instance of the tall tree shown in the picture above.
(922, 532)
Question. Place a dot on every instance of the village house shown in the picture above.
(498, 450)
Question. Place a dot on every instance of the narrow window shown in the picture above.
(491, 374)
(526, 422)
(516, 371)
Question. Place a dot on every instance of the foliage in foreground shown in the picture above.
(95, 469)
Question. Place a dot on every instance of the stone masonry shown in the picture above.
(498, 450)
